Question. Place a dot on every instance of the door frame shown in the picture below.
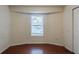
(73, 27)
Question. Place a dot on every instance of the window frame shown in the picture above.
(42, 26)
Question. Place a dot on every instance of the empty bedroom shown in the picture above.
(39, 29)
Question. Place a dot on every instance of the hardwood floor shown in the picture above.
(37, 49)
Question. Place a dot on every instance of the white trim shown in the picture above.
(38, 43)
(67, 47)
(59, 44)
(30, 43)
(4, 49)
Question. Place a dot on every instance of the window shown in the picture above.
(37, 25)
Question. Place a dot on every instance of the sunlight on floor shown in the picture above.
(36, 51)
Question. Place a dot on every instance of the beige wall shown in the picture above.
(54, 30)
(21, 26)
(4, 28)
(68, 27)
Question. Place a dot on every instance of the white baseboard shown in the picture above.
(67, 47)
(57, 44)
(4, 49)
(38, 43)
(30, 43)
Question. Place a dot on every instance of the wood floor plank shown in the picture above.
(37, 49)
